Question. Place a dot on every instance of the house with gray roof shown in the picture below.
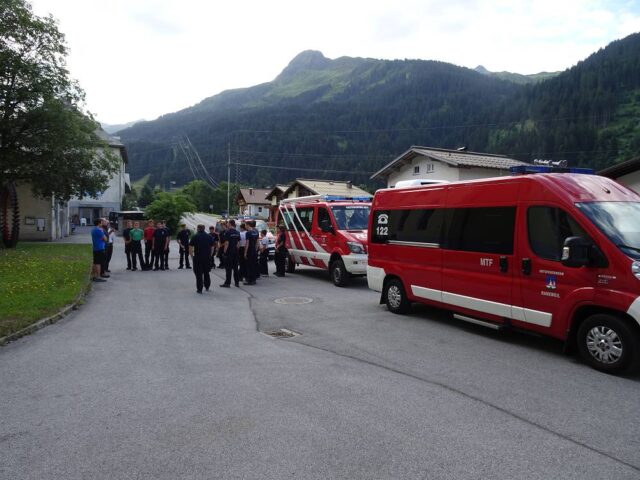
(627, 173)
(442, 164)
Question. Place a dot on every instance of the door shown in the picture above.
(477, 273)
(324, 240)
(544, 286)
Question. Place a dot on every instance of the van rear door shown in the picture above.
(478, 259)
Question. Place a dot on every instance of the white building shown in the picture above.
(442, 164)
(89, 208)
(253, 202)
(627, 173)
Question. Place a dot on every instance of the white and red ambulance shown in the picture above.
(553, 253)
(329, 232)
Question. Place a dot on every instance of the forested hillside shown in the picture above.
(345, 118)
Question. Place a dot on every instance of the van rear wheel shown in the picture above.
(607, 343)
(396, 298)
(338, 273)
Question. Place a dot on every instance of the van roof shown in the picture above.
(571, 187)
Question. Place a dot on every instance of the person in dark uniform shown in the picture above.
(215, 237)
(127, 242)
(230, 254)
(160, 241)
(201, 248)
(166, 249)
(264, 254)
(251, 253)
(183, 238)
(221, 228)
(281, 251)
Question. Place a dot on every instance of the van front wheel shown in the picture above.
(607, 343)
(395, 297)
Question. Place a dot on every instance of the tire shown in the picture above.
(396, 298)
(338, 273)
(290, 264)
(607, 343)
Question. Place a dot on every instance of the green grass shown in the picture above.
(38, 279)
(140, 183)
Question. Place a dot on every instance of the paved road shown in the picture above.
(149, 380)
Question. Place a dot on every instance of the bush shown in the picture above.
(170, 208)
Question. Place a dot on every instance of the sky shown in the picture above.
(139, 59)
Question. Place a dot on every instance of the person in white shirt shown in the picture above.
(263, 265)
(242, 245)
(111, 237)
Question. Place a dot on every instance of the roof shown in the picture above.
(453, 158)
(114, 142)
(620, 169)
(278, 189)
(327, 187)
(255, 196)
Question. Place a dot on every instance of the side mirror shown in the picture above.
(576, 252)
(325, 226)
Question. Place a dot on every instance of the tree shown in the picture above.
(146, 196)
(45, 138)
(169, 208)
(200, 193)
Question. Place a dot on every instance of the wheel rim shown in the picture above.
(337, 275)
(604, 345)
(394, 296)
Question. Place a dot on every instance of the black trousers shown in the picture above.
(148, 254)
(252, 266)
(127, 252)
(280, 261)
(242, 264)
(184, 255)
(136, 251)
(220, 255)
(201, 268)
(159, 258)
(166, 258)
(109, 255)
(231, 265)
(264, 263)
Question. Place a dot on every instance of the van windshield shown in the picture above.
(351, 217)
(619, 221)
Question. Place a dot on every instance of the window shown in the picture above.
(486, 230)
(548, 228)
(431, 168)
(260, 209)
(322, 216)
(415, 226)
(351, 217)
(416, 170)
(306, 218)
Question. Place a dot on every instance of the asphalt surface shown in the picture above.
(149, 380)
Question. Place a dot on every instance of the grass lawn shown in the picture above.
(38, 279)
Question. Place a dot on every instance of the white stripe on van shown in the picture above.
(486, 306)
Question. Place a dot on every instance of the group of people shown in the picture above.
(243, 253)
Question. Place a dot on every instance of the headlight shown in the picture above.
(356, 247)
(635, 269)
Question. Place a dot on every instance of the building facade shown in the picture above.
(253, 202)
(627, 173)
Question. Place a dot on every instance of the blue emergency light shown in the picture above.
(525, 169)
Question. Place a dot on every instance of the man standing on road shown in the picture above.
(221, 227)
(136, 234)
(148, 245)
(281, 251)
(230, 254)
(215, 238)
(166, 248)
(201, 248)
(242, 257)
(160, 241)
(251, 253)
(183, 238)
(263, 269)
(127, 242)
(99, 239)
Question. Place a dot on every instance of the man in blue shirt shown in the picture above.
(99, 241)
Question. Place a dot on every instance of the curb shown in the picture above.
(34, 327)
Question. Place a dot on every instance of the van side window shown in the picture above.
(486, 230)
(286, 218)
(415, 226)
(323, 215)
(548, 228)
(306, 218)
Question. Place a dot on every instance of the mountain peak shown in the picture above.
(481, 69)
(307, 60)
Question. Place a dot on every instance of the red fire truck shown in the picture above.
(327, 231)
(553, 253)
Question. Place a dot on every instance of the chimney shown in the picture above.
(349, 184)
(251, 191)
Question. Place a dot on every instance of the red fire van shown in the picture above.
(553, 253)
(328, 232)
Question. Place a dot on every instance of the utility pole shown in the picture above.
(228, 179)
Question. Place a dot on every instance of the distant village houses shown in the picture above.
(253, 202)
(443, 164)
(627, 173)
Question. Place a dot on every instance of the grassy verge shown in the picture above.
(38, 279)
